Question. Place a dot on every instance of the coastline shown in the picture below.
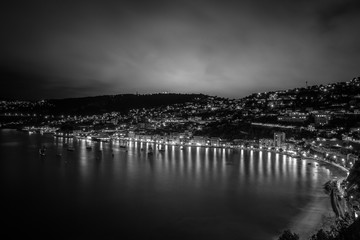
(334, 164)
(312, 217)
(308, 222)
(316, 213)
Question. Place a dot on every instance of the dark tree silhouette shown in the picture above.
(288, 235)
(321, 235)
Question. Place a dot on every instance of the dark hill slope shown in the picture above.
(118, 103)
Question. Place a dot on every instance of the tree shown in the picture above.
(288, 235)
(321, 235)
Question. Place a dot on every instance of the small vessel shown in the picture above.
(123, 144)
(229, 163)
(181, 148)
(88, 147)
(71, 149)
(42, 151)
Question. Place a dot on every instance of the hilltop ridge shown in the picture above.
(331, 111)
(98, 104)
(340, 95)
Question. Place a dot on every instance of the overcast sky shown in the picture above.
(58, 49)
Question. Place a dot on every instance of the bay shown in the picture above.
(195, 193)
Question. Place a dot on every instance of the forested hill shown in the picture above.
(118, 103)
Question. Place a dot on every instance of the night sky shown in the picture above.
(58, 49)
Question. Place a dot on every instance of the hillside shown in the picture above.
(100, 104)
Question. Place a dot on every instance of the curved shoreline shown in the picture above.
(313, 216)
(310, 217)
(240, 147)
(334, 164)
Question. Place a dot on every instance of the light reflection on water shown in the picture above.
(209, 193)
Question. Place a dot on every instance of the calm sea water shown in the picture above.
(195, 193)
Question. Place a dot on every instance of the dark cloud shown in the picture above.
(226, 48)
(27, 85)
(336, 11)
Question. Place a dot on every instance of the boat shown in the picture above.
(71, 149)
(88, 147)
(42, 151)
(150, 152)
(123, 144)
(181, 148)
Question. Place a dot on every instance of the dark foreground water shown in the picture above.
(195, 193)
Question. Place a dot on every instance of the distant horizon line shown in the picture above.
(107, 95)
(164, 93)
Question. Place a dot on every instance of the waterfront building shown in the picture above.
(199, 140)
(224, 143)
(214, 141)
(279, 138)
(147, 137)
(289, 146)
(131, 134)
(266, 142)
(64, 134)
(174, 138)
